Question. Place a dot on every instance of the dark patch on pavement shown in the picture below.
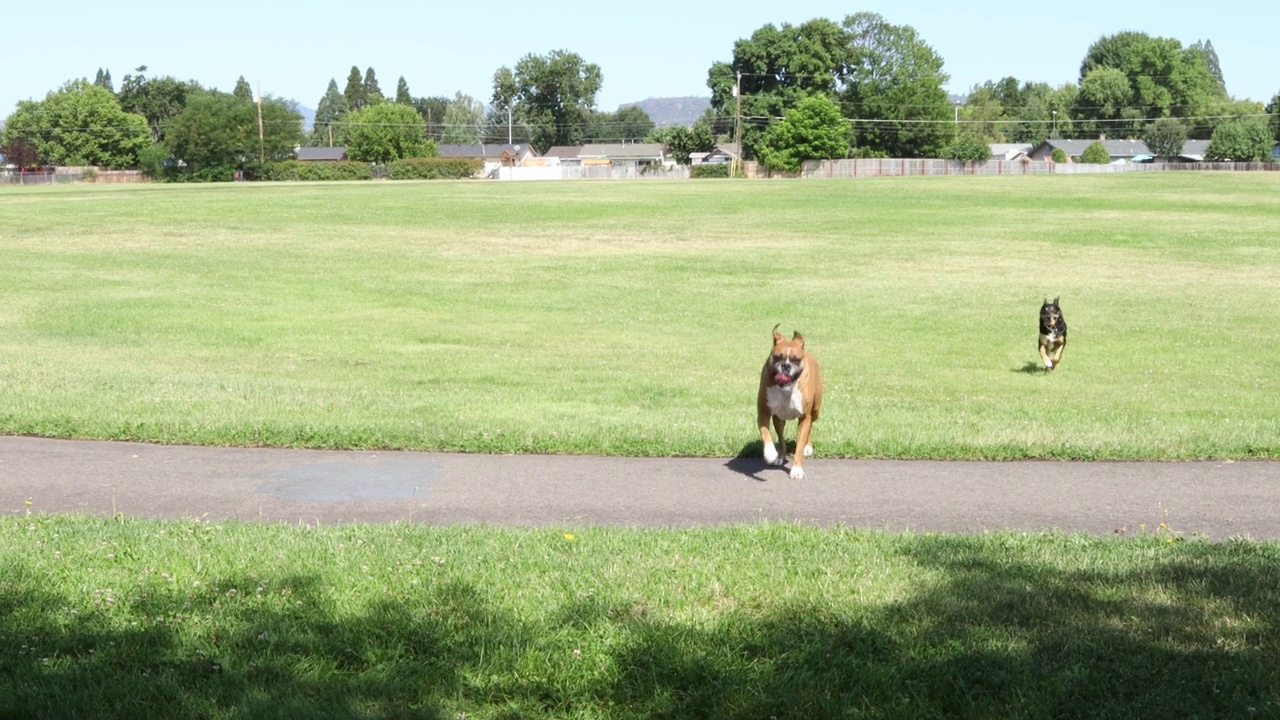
(357, 478)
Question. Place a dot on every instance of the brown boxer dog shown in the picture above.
(790, 389)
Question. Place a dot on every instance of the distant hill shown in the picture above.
(672, 111)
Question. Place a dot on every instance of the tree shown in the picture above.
(813, 129)
(773, 70)
(682, 141)
(402, 92)
(628, 124)
(967, 148)
(78, 124)
(17, 151)
(243, 90)
(1104, 102)
(499, 127)
(553, 93)
(983, 114)
(1273, 116)
(355, 92)
(1096, 154)
(386, 132)
(103, 80)
(327, 129)
(1211, 60)
(156, 99)
(372, 93)
(1165, 137)
(217, 134)
(432, 110)
(463, 121)
(1245, 139)
(894, 89)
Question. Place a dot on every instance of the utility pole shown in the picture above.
(737, 132)
(508, 124)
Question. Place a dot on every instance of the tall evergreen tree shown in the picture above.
(372, 93)
(402, 92)
(1211, 59)
(103, 80)
(354, 91)
(327, 128)
(243, 91)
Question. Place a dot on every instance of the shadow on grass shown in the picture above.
(999, 634)
(1031, 367)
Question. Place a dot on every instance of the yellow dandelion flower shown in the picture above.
(569, 536)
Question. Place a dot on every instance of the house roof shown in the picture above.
(1009, 151)
(322, 153)
(628, 151)
(564, 152)
(1114, 148)
(1194, 149)
(486, 151)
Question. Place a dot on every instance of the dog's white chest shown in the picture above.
(785, 404)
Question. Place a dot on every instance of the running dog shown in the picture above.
(790, 389)
(1053, 333)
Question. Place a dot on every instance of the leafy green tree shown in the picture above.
(1165, 137)
(983, 115)
(628, 124)
(243, 90)
(463, 121)
(967, 148)
(103, 80)
(156, 99)
(402, 92)
(217, 134)
(894, 89)
(355, 93)
(78, 124)
(387, 132)
(1096, 154)
(17, 151)
(499, 127)
(1059, 155)
(1245, 139)
(813, 129)
(1104, 104)
(1273, 116)
(554, 94)
(775, 69)
(682, 141)
(327, 129)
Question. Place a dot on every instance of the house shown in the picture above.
(722, 154)
(1192, 151)
(1010, 151)
(316, 154)
(566, 155)
(1117, 149)
(623, 154)
(493, 155)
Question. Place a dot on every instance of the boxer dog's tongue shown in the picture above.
(782, 379)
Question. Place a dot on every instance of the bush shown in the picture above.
(717, 170)
(317, 171)
(1059, 155)
(435, 168)
(967, 149)
(1096, 153)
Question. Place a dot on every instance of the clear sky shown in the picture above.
(659, 48)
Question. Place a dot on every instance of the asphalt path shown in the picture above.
(1218, 500)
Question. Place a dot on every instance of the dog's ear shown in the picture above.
(1055, 300)
(1044, 303)
(797, 337)
(777, 336)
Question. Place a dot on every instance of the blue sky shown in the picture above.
(659, 48)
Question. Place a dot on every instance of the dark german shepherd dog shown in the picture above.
(1053, 333)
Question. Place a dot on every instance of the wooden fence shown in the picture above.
(897, 167)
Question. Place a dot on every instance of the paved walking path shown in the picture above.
(1220, 500)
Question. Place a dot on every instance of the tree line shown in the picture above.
(861, 87)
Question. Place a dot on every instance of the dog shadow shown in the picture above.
(1031, 367)
(750, 462)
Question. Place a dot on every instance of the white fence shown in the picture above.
(890, 167)
(66, 175)
(595, 172)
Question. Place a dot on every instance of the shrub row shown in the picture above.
(327, 170)
(435, 168)
(715, 170)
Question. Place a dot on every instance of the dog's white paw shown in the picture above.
(808, 451)
(771, 454)
(797, 472)
(1048, 364)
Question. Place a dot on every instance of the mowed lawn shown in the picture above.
(633, 317)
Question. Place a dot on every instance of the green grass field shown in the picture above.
(632, 318)
(137, 619)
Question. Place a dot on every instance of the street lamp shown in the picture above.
(1055, 124)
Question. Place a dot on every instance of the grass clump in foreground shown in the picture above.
(134, 619)
(632, 318)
